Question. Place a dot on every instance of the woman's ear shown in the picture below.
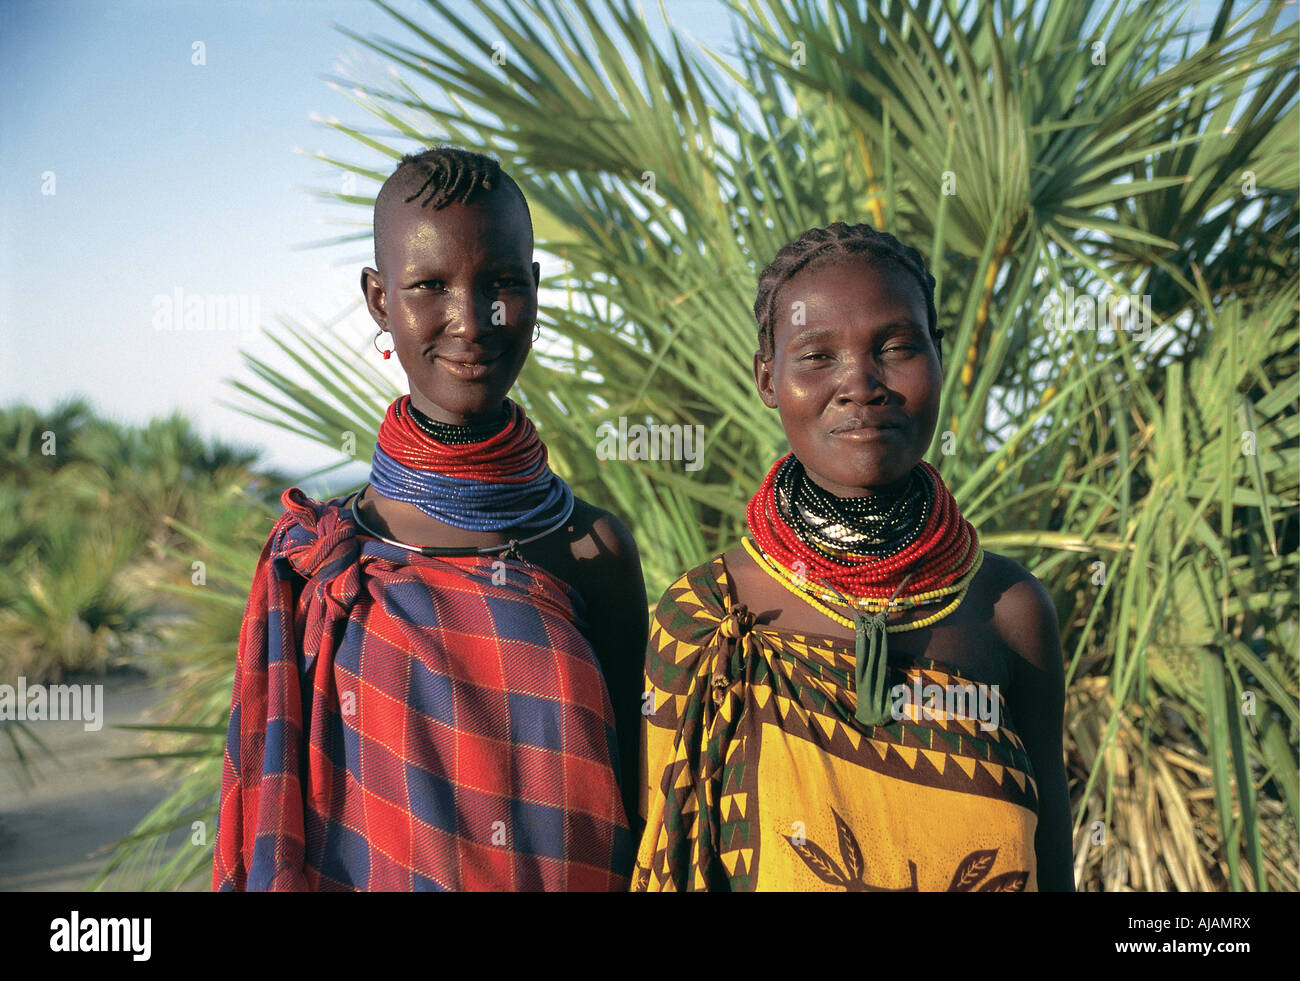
(763, 379)
(372, 291)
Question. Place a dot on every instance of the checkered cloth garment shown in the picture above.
(406, 723)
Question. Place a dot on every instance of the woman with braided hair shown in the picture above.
(858, 697)
(438, 680)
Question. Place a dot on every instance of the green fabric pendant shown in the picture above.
(869, 671)
(871, 656)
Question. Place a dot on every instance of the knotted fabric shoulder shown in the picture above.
(260, 837)
(320, 545)
(698, 665)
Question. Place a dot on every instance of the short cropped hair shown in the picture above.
(836, 241)
(442, 175)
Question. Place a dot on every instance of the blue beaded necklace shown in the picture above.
(473, 505)
(512, 491)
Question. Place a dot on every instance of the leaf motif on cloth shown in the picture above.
(971, 869)
(1006, 882)
(849, 850)
(822, 865)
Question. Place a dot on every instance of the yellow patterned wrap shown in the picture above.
(755, 775)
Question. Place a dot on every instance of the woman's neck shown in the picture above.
(475, 430)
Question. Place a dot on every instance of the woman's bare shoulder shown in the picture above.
(602, 560)
(1023, 612)
(595, 532)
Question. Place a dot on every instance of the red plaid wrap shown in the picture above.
(409, 723)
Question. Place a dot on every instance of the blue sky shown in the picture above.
(170, 175)
(167, 176)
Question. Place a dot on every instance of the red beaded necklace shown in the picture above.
(941, 554)
(515, 455)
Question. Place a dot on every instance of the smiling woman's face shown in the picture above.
(854, 374)
(458, 293)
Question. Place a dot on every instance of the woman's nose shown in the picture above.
(860, 381)
(470, 315)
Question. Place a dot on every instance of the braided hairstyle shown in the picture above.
(443, 175)
(835, 242)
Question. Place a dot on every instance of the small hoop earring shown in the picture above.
(375, 342)
(537, 333)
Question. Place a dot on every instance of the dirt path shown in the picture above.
(57, 834)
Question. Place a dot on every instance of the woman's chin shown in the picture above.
(457, 407)
(852, 481)
(470, 391)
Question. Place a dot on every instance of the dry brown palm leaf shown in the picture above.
(1155, 839)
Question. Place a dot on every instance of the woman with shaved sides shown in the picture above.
(858, 697)
(439, 677)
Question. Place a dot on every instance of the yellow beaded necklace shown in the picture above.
(870, 633)
(800, 588)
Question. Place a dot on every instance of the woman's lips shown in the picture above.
(866, 434)
(468, 370)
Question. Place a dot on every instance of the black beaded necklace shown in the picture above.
(876, 525)
(459, 435)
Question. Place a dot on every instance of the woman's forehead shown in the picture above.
(855, 267)
(496, 213)
(497, 227)
(820, 288)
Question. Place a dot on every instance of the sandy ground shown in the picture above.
(57, 834)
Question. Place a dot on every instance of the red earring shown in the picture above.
(386, 354)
